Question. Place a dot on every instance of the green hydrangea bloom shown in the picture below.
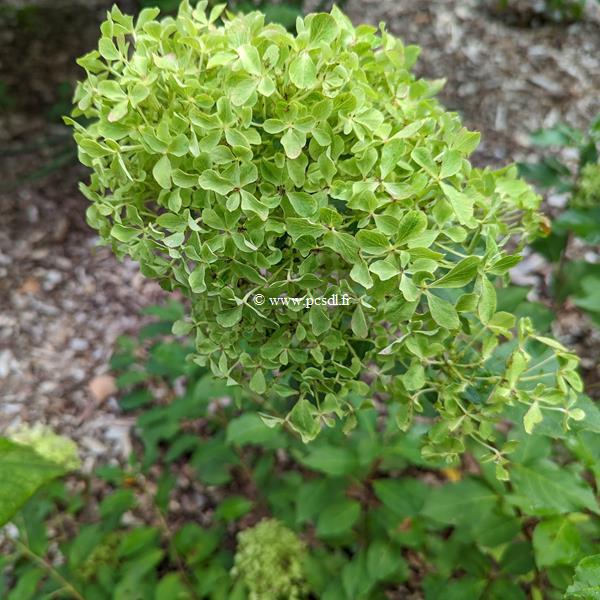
(46, 443)
(244, 165)
(587, 193)
(269, 562)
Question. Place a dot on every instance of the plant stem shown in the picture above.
(42, 562)
(180, 564)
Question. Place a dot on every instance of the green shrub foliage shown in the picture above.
(238, 160)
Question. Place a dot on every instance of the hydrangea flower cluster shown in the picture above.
(269, 562)
(238, 161)
(587, 192)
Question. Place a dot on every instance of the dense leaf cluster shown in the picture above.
(239, 159)
(269, 561)
(587, 194)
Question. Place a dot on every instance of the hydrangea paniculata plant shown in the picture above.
(237, 159)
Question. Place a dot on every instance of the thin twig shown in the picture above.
(49, 569)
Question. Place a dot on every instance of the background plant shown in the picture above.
(558, 11)
(576, 228)
(373, 514)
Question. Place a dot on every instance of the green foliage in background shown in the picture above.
(284, 12)
(579, 223)
(559, 11)
(239, 159)
(357, 516)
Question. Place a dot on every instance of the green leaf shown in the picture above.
(242, 89)
(459, 502)
(408, 288)
(323, 28)
(304, 204)
(211, 180)
(373, 242)
(585, 585)
(338, 518)
(249, 428)
(250, 59)
(501, 589)
(330, 460)
(118, 112)
(136, 540)
(232, 508)
(451, 163)
(230, 317)
(342, 243)
(302, 227)
(385, 560)
(274, 126)
(170, 586)
(414, 378)
(487, 301)
(392, 152)
(543, 487)
(422, 156)
(251, 204)
(532, 417)
(461, 203)
(303, 73)
(293, 141)
(258, 383)
(319, 320)
(181, 327)
(108, 50)
(356, 582)
(412, 224)
(505, 264)
(460, 275)
(124, 234)
(404, 497)
(359, 323)
(518, 558)
(383, 269)
(559, 135)
(22, 472)
(442, 312)
(360, 274)
(174, 240)
(302, 421)
(111, 90)
(196, 279)
(266, 86)
(162, 172)
(556, 542)
(493, 529)
(138, 94)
